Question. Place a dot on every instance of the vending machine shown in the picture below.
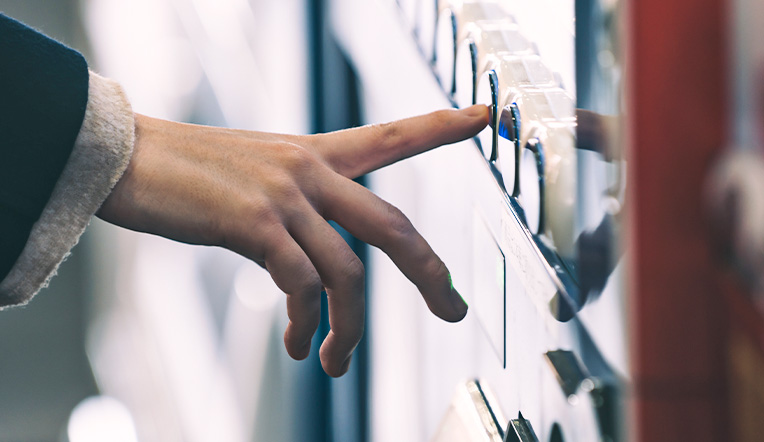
(605, 228)
(527, 216)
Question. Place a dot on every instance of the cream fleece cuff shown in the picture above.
(99, 158)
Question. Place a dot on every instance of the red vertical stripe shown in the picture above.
(677, 116)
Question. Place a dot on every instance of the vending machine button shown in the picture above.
(465, 72)
(532, 185)
(486, 93)
(509, 146)
(520, 430)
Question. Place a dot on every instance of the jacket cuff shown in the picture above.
(100, 156)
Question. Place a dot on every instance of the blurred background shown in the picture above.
(185, 343)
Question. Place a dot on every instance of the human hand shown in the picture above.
(268, 197)
(597, 133)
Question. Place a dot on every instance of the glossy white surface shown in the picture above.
(468, 418)
(550, 25)
(409, 10)
(507, 158)
(479, 12)
(426, 18)
(496, 41)
(560, 187)
(465, 76)
(487, 297)
(524, 70)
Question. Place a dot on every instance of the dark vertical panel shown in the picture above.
(677, 92)
(319, 380)
(315, 55)
(585, 47)
(335, 105)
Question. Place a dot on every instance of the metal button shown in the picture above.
(532, 185)
(520, 430)
(486, 93)
(508, 148)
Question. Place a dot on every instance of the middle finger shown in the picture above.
(342, 275)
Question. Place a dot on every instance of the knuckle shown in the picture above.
(295, 158)
(353, 272)
(389, 132)
(302, 290)
(283, 188)
(435, 269)
(398, 225)
(309, 285)
(442, 117)
(260, 213)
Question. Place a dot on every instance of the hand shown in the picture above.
(268, 197)
(597, 132)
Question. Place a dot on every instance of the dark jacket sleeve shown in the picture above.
(43, 97)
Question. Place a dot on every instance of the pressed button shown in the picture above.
(486, 94)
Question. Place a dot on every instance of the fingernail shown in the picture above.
(457, 301)
(460, 305)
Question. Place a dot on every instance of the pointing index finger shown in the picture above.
(354, 152)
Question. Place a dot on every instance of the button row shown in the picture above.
(480, 56)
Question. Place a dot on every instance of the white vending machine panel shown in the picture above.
(503, 211)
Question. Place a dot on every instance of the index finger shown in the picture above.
(354, 152)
